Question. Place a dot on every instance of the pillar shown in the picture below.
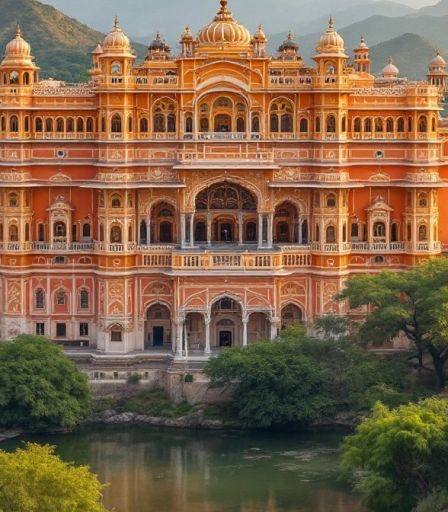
(245, 322)
(260, 230)
(274, 328)
(183, 222)
(179, 336)
(186, 340)
(207, 335)
(192, 230)
(209, 229)
(173, 337)
(240, 228)
(148, 231)
(270, 220)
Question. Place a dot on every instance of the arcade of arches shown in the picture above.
(224, 325)
(225, 213)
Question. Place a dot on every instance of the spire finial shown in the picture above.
(437, 51)
(18, 31)
(331, 23)
(391, 60)
(116, 23)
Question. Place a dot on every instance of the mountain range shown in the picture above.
(62, 45)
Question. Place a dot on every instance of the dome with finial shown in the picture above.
(390, 70)
(18, 49)
(362, 44)
(98, 50)
(159, 44)
(224, 29)
(289, 43)
(260, 35)
(438, 61)
(330, 41)
(187, 35)
(116, 41)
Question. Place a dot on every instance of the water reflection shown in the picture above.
(172, 471)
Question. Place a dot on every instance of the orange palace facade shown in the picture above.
(208, 199)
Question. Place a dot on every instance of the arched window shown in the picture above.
(14, 124)
(354, 232)
(84, 299)
(27, 124)
(423, 200)
(101, 233)
(331, 124)
(38, 124)
(115, 235)
(171, 123)
(103, 124)
(130, 125)
(389, 125)
(3, 123)
(59, 229)
(13, 78)
(49, 125)
(60, 125)
(433, 124)
(409, 124)
(331, 201)
(251, 232)
(357, 125)
(116, 124)
(281, 116)
(204, 125)
(303, 125)
(116, 68)
(13, 233)
(13, 200)
(409, 232)
(274, 123)
(378, 125)
(189, 123)
(159, 123)
(286, 123)
(200, 232)
(26, 78)
(90, 125)
(394, 232)
(400, 125)
(317, 233)
(143, 233)
(422, 233)
(330, 236)
(61, 298)
(255, 124)
(41, 232)
(27, 232)
(422, 124)
(379, 230)
(86, 230)
(80, 125)
(344, 124)
(116, 202)
(368, 125)
(39, 299)
(70, 125)
(317, 124)
(240, 125)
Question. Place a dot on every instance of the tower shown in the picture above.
(362, 60)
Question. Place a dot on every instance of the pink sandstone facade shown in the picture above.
(208, 199)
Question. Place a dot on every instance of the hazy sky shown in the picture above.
(143, 17)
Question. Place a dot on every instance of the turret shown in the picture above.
(259, 41)
(362, 61)
(18, 67)
(437, 74)
(187, 42)
(158, 49)
(330, 54)
(289, 49)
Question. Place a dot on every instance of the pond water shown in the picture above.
(187, 471)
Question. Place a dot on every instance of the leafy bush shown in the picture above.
(188, 379)
(34, 479)
(153, 403)
(39, 386)
(134, 379)
(299, 380)
(398, 457)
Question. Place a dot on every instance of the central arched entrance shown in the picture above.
(226, 213)
(226, 323)
(158, 335)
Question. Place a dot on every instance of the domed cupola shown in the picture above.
(438, 62)
(390, 71)
(288, 50)
(224, 32)
(331, 43)
(18, 52)
(116, 42)
(158, 49)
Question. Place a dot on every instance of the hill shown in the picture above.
(410, 52)
(61, 45)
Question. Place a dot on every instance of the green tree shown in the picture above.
(39, 386)
(399, 456)
(298, 380)
(414, 302)
(34, 479)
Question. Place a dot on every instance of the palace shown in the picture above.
(208, 199)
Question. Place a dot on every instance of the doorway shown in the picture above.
(158, 336)
(225, 338)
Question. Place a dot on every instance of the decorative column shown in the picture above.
(173, 337)
(186, 340)
(275, 323)
(209, 229)
(240, 228)
(270, 221)
(192, 230)
(183, 230)
(179, 336)
(245, 322)
(208, 322)
(260, 230)
(148, 231)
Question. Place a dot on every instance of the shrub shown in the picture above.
(134, 379)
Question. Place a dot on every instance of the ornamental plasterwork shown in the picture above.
(60, 178)
(380, 176)
(296, 174)
(152, 175)
(379, 91)
(46, 89)
(424, 176)
(157, 288)
(15, 176)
